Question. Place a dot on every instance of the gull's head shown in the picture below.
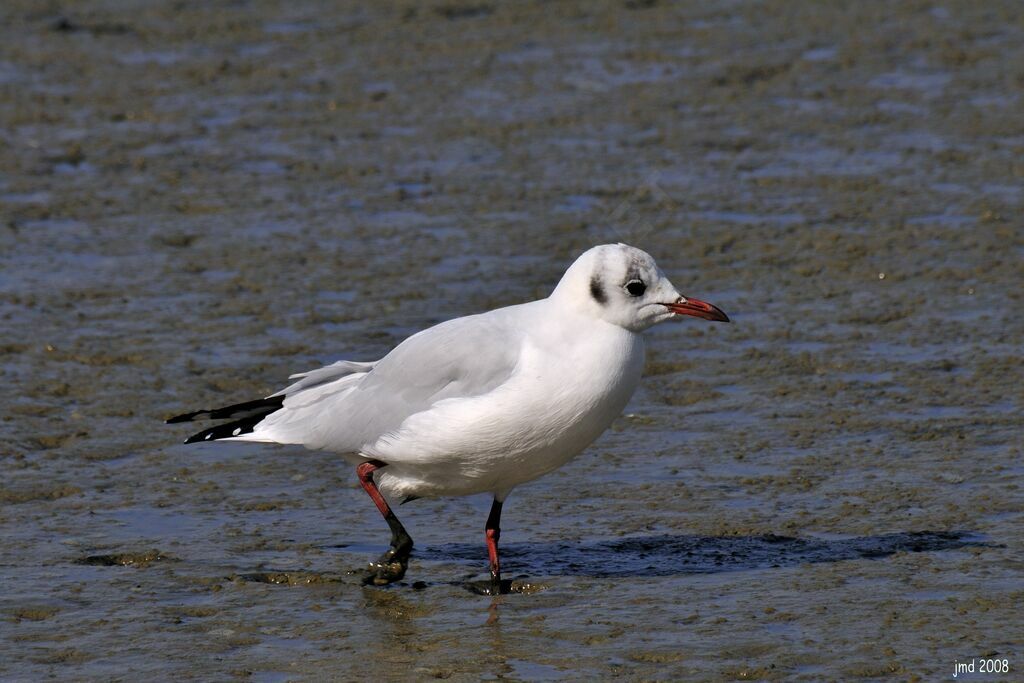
(624, 286)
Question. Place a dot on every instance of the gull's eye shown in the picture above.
(636, 287)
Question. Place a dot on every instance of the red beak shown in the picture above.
(698, 309)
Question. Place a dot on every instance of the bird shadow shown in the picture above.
(671, 555)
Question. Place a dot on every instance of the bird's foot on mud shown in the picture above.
(389, 568)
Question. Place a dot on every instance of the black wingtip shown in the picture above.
(244, 416)
(201, 436)
(209, 434)
(260, 406)
(185, 417)
(229, 430)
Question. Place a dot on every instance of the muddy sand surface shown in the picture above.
(198, 199)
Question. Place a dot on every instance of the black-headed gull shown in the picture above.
(479, 404)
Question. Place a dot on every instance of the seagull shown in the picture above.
(478, 404)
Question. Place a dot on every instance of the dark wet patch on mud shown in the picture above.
(129, 559)
(292, 578)
(667, 555)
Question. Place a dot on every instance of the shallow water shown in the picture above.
(199, 200)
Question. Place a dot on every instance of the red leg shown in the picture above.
(392, 565)
(365, 472)
(493, 532)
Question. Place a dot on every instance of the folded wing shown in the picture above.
(460, 358)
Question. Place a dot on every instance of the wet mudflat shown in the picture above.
(199, 199)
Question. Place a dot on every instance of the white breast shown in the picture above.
(566, 390)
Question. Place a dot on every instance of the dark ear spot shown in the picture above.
(597, 290)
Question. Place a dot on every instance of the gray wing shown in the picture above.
(460, 358)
